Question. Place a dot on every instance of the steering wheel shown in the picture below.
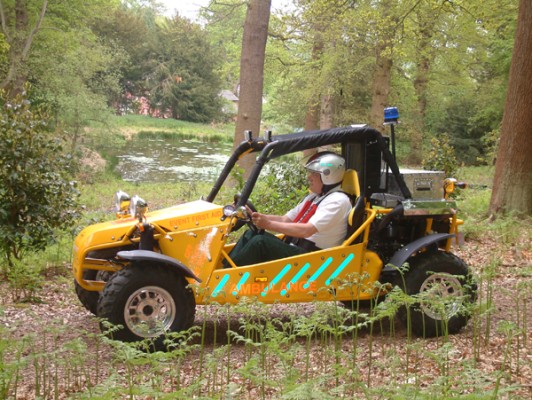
(248, 221)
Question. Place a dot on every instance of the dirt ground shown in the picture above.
(58, 320)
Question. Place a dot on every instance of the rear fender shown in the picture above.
(147, 255)
(402, 255)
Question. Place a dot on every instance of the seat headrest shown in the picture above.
(350, 183)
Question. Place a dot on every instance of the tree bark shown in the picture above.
(312, 115)
(427, 20)
(20, 42)
(380, 87)
(251, 75)
(383, 68)
(512, 179)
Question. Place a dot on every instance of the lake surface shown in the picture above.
(164, 160)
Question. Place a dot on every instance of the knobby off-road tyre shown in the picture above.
(445, 290)
(146, 301)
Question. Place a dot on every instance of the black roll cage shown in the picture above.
(277, 146)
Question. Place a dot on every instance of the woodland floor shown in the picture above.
(58, 320)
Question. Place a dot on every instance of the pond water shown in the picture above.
(171, 160)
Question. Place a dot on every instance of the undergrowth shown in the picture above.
(323, 351)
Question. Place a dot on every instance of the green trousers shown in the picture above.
(254, 248)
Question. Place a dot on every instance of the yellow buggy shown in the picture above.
(147, 271)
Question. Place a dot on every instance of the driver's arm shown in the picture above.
(283, 224)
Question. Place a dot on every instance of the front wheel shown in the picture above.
(147, 301)
(444, 290)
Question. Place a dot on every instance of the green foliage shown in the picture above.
(322, 351)
(184, 80)
(490, 142)
(441, 156)
(225, 24)
(36, 196)
(76, 89)
(25, 282)
(281, 187)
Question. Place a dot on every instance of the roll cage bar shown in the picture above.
(277, 146)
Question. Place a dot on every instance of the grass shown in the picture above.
(323, 351)
(97, 198)
(137, 123)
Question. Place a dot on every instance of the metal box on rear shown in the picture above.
(423, 185)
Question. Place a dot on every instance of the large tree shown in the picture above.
(251, 73)
(183, 80)
(512, 179)
(19, 27)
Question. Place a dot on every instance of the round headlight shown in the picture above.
(121, 201)
(138, 207)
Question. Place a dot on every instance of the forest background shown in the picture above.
(447, 65)
(73, 71)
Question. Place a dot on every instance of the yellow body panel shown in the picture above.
(198, 249)
(181, 223)
(306, 277)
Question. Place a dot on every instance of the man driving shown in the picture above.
(318, 222)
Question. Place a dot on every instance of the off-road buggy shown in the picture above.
(147, 271)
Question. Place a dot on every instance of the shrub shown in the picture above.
(284, 185)
(441, 156)
(36, 196)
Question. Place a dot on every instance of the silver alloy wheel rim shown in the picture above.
(441, 296)
(149, 311)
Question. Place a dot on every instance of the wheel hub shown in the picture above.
(441, 296)
(149, 311)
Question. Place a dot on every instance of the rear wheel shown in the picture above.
(444, 290)
(147, 301)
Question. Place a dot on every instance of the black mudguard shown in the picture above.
(405, 252)
(147, 255)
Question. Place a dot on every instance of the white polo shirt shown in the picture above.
(330, 219)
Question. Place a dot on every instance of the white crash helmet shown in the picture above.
(329, 165)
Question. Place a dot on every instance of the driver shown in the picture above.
(318, 222)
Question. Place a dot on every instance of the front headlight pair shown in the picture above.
(129, 207)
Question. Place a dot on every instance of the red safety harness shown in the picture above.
(310, 206)
(307, 211)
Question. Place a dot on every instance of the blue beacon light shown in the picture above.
(391, 115)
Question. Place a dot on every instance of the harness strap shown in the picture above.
(308, 210)
(310, 206)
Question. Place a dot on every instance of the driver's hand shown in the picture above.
(260, 220)
(248, 211)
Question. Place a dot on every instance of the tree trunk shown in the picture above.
(326, 111)
(20, 41)
(426, 29)
(380, 87)
(512, 179)
(312, 115)
(251, 75)
(383, 68)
